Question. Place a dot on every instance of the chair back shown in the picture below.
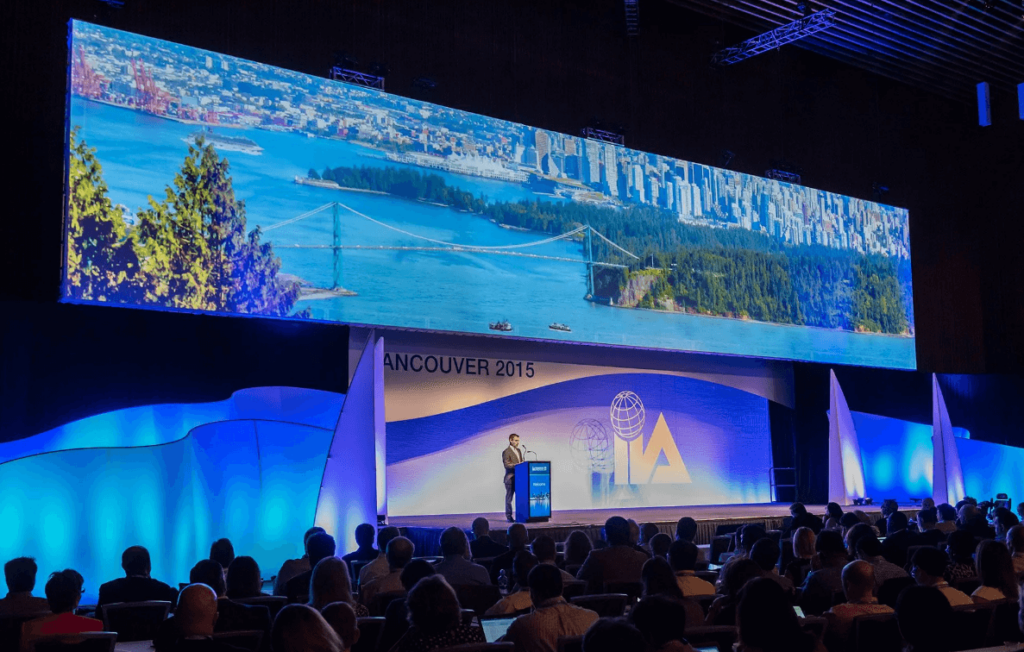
(707, 575)
(719, 546)
(814, 625)
(721, 637)
(478, 597)
(249, 639)
(891, 589)
(572, 589)
(273, 603)
(135, 621)
(86, 642)
(877, 633)
(785, 554)
(10, 629)
(607, 605)
(704, 601)
(633, 589)
(369, 634)
(481, 647)
(570, 644)
(379, 604)
(1004, 623)
(969, 626)
(694, 613)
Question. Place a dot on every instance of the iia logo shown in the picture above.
(658, 463)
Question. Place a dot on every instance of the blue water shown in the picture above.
(435, 290)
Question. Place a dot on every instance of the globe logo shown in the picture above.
(590, 446)
(627, 415)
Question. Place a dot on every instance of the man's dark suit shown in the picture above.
(485, 548)
(504, 562)
(509, 458)
(615, 564)
(895, 546)
(136, 589)
(231, 617)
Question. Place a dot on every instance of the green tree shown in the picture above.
(313, 174)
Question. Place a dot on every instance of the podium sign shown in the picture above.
(533, 492)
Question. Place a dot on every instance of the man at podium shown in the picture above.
(509, 458)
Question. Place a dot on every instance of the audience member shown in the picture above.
(544, 549)
(723, 610)
(613, 635)
(929, 567)
(301, 628)
(364, 551)
(833, 516)
(662, 622)
(195, 620)
(634, 537)
(767, 623)
(231, 616)
(947, 518)
(855, 534)
(552, 616)
(747, 536)
(292, 567)
(243, 579)
(889, 507)
(518, 538)
(329, 582)
(973, 520)
(960, 546)
(379, 567)
(995, 570)
(342, 619)
(766, 553)
(658, 579)
(63, 591)
(396, 617)
(399, 553)
(577, 547)
(647, 532)
(223, 553)
(927, 503)
(848, 520)
(803, 556)
(921, 612)
(802, 518)
(869, 549)
(1014, 541)
(686, 530)
(822, 584)
(859, 584)
(660, 545)
(137, 585)
(20, 574)
(1020, 511)
(483, 546)
(435, 617)
(319, 546)
(682, 556)
(519, 597)
(927, 527)
(1003, 520)
(898, 539)
(455, 567)
(620, 562)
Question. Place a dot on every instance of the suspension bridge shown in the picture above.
(587, 232)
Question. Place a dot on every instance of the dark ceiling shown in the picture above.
(946, 46)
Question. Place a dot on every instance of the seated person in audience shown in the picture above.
(292, 567)
(396, 618)
(947, 518)
(960, 547)
(319, 546)
(195, 621)
(483, 546)
(364, 547)
(519, 599)
(222, 552)
(577, 547)
(929, 566)
(747, 536)
(660, 545)
(1003, 520)
(342, 619)
(634, 537)
(927, 527)
(802, 518)
(833, 517)
(137, 585)
(848, 520)
(869, 549)
(662, 622)
(399, 553)
(1014, 541)
(244, 579)
(889, 507)
(518, 538)
(647, 532)
(614, 635)
(766, 553)
(552, 616)
(859, 584)
(822, 584)
(456, 569)
(767, 622)
(544, 549)
(658, 579)
(722, 611)
(63, 591)
(329, 583)
(856, 533)
(20, 574)
(682, 557)
(379, 566)
(435, 618)
(898, 539)
(803, 556)
(619, 562)
(974, 521)
(995, 570)
(686, 530)
(921, 613)
(301, 628)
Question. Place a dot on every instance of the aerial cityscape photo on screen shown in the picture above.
(203, 182)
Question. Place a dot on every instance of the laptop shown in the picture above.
(495, 626)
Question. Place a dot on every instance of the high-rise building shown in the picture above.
(543, 144)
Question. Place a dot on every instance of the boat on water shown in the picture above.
(503, 325)
(224, 143)
(560, 327)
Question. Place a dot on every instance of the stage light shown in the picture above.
(606, 134)
(784, 171)
(776, 38)
(804, 7)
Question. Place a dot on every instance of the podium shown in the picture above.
(533, 492)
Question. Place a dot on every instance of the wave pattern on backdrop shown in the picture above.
(172, 478)
(619, 440)
(200, 181)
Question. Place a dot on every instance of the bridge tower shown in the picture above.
(336, 244)
(590, 262)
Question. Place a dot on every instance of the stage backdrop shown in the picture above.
(615, 437)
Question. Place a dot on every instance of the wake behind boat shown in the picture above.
(224, 143)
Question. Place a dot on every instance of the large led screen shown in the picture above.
(199, 181)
